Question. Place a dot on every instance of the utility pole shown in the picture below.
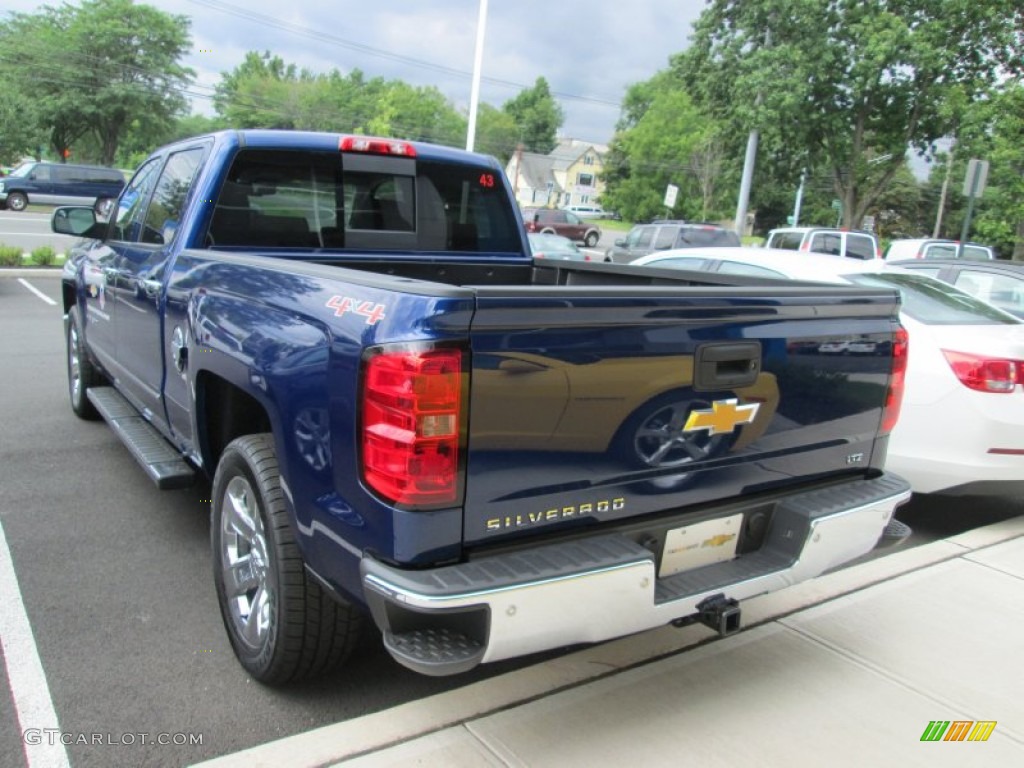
(748, 165)
(942, 196)
(478, 57)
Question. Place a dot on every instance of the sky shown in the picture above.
(589, 51)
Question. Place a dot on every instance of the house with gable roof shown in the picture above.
(569, 175)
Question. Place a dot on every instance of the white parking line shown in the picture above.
(37, 292)
(32, 703)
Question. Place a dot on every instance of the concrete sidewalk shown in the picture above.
(846, 670)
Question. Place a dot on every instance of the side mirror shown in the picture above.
(620, 243)
(77, 221)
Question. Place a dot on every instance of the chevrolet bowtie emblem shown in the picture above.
(724, 416)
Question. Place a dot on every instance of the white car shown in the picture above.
(961, 427)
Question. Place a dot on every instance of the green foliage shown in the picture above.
(841, 84)
(663, 139)
(266, 92)
(43, 256)
(538, 116)
(90, 71)
(10, 256)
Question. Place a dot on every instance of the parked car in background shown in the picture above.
(962, 419)
(665, 234)
(828, 240)
(586, 211)
(562, 223)
(58, 184)
(931, 248)
(544, 245)
(997, 282)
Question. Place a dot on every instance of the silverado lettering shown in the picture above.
(405, 418)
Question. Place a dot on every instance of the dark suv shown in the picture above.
(561, 223)
(661, 235)
(58, 184)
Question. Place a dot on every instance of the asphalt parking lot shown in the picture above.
(113, 576)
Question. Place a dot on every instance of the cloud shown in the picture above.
(590, 50)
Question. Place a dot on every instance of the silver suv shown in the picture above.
(661, 235)
(837, 242)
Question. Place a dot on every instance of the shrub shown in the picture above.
(10, 256)
(44, 256)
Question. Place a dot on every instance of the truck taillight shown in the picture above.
(985, 374)
(897, 380)
(412, 405)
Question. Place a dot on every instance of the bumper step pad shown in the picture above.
(162, 463)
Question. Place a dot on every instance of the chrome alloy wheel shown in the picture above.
(661, 442)
(74, 365)
(245, 564)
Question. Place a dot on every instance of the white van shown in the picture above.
(838, 242)
(586, 211)
(932, 248)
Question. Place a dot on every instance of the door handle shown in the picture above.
(726, 365)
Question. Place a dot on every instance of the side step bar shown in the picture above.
(162, 463)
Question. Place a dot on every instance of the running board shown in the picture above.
(162, 463)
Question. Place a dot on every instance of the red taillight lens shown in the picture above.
(985, 374)
(412, 415)
(897, 381)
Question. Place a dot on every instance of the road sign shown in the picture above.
(977, 174)
(671, 193)
(837, 205)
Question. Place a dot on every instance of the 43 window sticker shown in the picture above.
(342, 305)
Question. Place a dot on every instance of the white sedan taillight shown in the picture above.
(985, 374)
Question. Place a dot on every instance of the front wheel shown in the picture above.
(591, 239)
(16, 201)
(282, 625)
(82, 374)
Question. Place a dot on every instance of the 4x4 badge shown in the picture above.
(724, 417)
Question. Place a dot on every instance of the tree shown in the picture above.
(538, 117)
(845, 83)
(96, 68)
(663, 139)
(995, 132)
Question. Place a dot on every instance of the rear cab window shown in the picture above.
(340, 200)
(860, 247)
(788, 241)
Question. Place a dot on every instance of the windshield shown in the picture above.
(22, 171)
(934, 302)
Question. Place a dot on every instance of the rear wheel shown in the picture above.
(282, 625)
(17, 201)
(654, 437)
(82, 374)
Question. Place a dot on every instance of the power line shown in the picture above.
(314, 34)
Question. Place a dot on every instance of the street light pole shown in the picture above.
(478, 56)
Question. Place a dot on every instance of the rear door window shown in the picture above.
(860, 247)
(827, 242)
(665, 238)
(789, 241)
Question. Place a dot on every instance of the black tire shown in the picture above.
(282, 625)
(16, 201)
(82, 373)
(591, 239)
(548, 231)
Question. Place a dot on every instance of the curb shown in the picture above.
(359, 736)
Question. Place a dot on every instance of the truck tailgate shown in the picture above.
(591, 405)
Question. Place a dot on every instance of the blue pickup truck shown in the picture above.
(406, 419)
